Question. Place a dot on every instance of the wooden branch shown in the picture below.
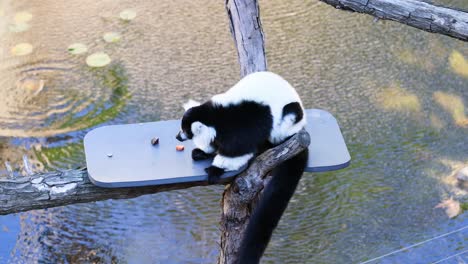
(238, 197)
(68, 187)
(246, 29)
(415, 13)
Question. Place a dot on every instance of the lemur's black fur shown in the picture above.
(270, 208)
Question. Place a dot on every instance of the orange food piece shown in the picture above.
(179, 147)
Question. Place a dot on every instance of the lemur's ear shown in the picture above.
(190, 103)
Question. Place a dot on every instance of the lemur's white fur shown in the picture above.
(269, 89)
(203, 136)
(262, 87)
(231, 163)
(190, 103)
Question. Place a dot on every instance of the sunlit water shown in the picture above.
(399, 94)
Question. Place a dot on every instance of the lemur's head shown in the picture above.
(190, 125)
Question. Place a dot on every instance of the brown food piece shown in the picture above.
(179, 147)
(154, 141)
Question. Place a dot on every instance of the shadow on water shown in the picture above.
(399, 95)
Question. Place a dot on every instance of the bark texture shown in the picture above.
(246, 29)
(240, 196)
(40, 191)
(415, 13)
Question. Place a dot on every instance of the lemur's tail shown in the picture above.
(271, 206)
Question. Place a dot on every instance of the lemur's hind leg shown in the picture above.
(223, 163)
(198, 154)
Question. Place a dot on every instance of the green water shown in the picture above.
(399, 94)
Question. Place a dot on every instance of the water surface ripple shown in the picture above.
(399, 94)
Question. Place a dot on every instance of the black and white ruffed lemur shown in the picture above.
(261, 110)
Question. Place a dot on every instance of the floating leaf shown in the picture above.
(22, 49)
(77, 48)
(19, 27)
(111, 37)
(23, 17)
(98, 59)
(458, 63)
(127, 14)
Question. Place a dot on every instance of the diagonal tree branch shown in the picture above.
(415, 13)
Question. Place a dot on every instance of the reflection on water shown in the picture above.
(399, 94)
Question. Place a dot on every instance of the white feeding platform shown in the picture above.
(123, 156)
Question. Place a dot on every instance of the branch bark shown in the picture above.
(246, 29)
(415, 13)
(41, 191)
(240, 196)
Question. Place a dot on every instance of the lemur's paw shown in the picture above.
(198, 154)
(214, 173)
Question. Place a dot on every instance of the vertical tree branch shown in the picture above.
(246, 29)
(240, 196)
(236, 204)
